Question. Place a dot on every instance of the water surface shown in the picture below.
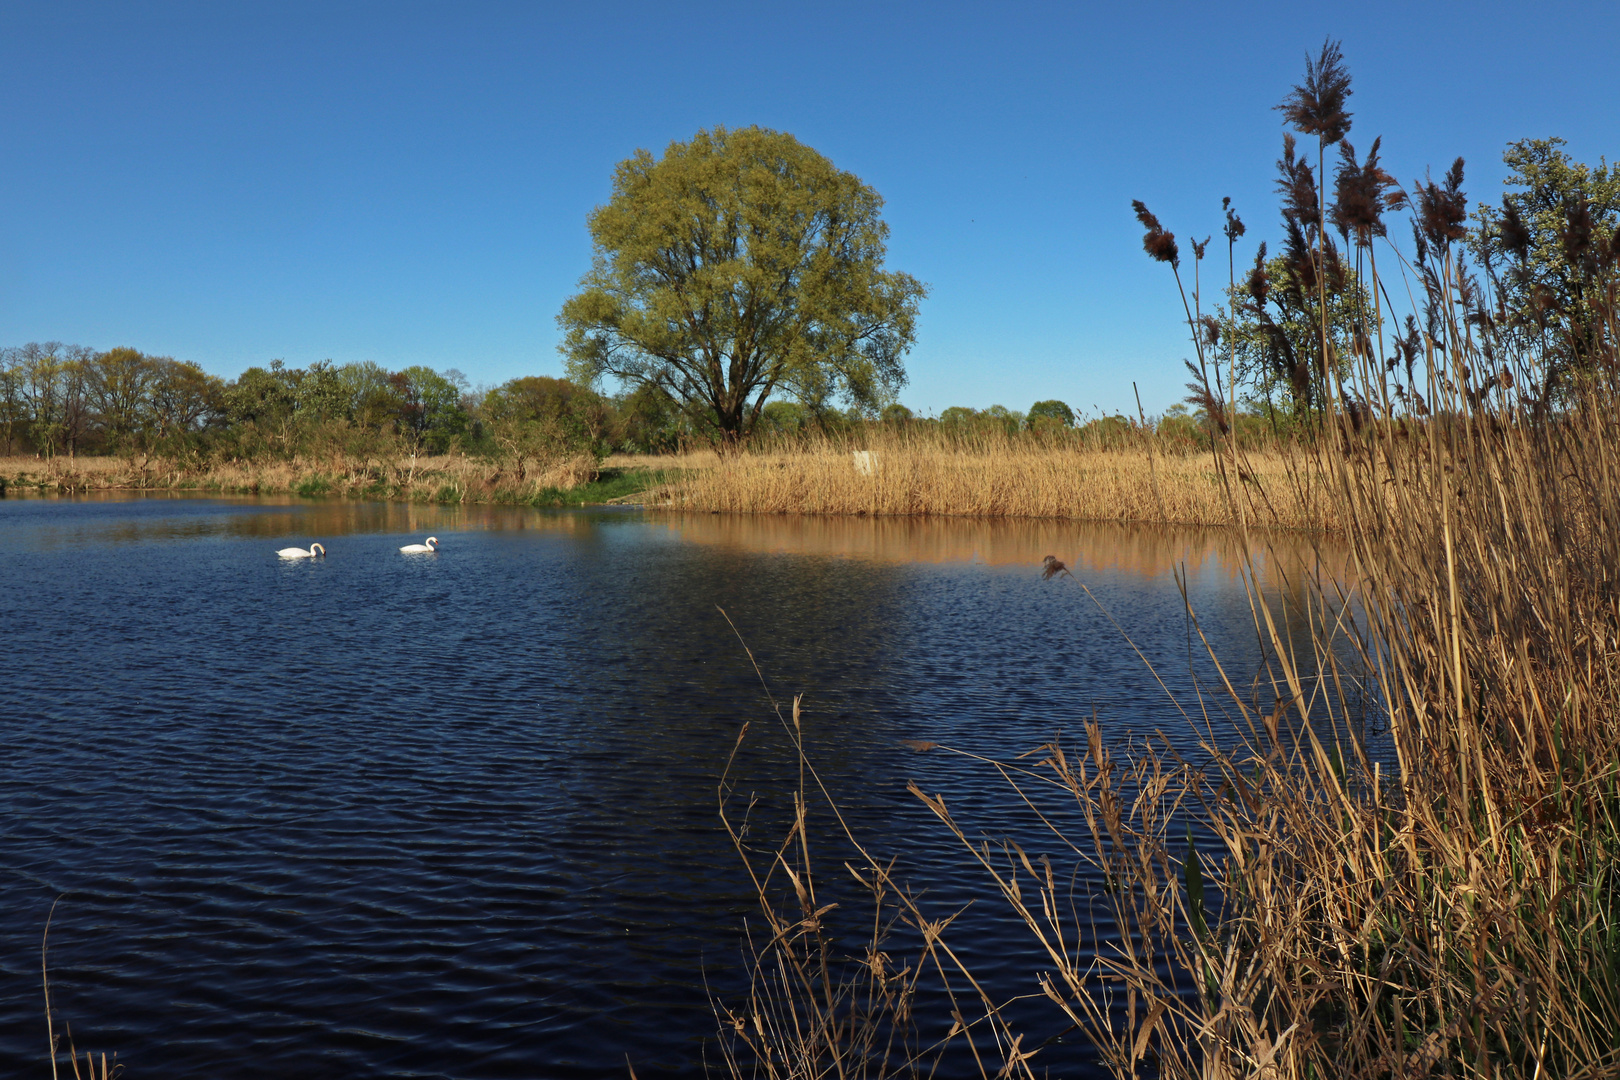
(455, 815)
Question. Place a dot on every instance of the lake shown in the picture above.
(456, 815)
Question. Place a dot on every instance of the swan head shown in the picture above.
(317, 549)
(433, 541)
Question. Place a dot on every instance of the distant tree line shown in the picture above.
(69, 400)
(60, 399)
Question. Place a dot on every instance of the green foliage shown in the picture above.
(538, 419)
(897, 415)
(1047, 415)
(999, 417)
(46, 401)
(960, 420)
(1108, 431)
(1178, 425)
(55, 397)
(364, 392)
(650, 421)
(183, 400)
(362, 410)
(1550, 250)
(259, 408)
(783, 418)
(1273, 335)
(580, 414)
(609, 484)
(432, 415)
(313, 487)
(324, 393)
(739, 266)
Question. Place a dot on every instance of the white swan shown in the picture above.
(417, 549)
(300, 553)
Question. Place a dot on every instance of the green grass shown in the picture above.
(313, 486)
(609, 484)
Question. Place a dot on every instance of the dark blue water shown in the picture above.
(455, 815)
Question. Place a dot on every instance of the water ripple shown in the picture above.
(455, 815)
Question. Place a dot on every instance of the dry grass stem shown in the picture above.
(1002, 476)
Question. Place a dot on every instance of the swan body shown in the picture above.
(300, 553)
(431, 546)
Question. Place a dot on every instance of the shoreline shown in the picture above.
(1035, 483)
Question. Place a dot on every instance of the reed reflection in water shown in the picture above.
(374, 815)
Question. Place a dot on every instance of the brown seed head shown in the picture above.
(1364, 191)
(1052, 566)
(1234, 224)
(1443, 208)
(1515, 235)
(1259, 283)
(1577, 236)
(1317, 105)
(1156, 241)
(1296, 183)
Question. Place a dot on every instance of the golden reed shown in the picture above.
(1002, 476)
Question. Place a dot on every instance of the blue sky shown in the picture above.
(408, 183)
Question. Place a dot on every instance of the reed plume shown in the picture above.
(1316, 106)
(1157, 242)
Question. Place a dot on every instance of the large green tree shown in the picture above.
(739, 265)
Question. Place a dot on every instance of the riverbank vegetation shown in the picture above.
(1399, 853)
(573, 480)
(73, 420)
(76, 421)
(1120, 472)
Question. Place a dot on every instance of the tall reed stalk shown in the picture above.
(1435, 892)
(837, 970)
(1443, 902)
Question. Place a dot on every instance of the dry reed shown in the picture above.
(107, 1070)
(1000, 476)
(442, 479)
(1440, 897)
(1449, 905)
(833, 992)
(1452, 909)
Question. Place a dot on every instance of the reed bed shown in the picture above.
(440, 479)
(1301, 902)
(1397, 853)
(1453, 909)
(1004, 476)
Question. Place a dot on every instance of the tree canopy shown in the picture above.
(57, 397)
(739, 265)
(1051, 413)
(1550, 250)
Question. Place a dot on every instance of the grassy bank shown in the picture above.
(902, 474)
(444, 480)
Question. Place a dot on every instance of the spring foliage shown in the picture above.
(740, 265)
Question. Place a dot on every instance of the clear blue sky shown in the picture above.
(408, 183)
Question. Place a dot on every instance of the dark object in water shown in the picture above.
(1054, 566)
